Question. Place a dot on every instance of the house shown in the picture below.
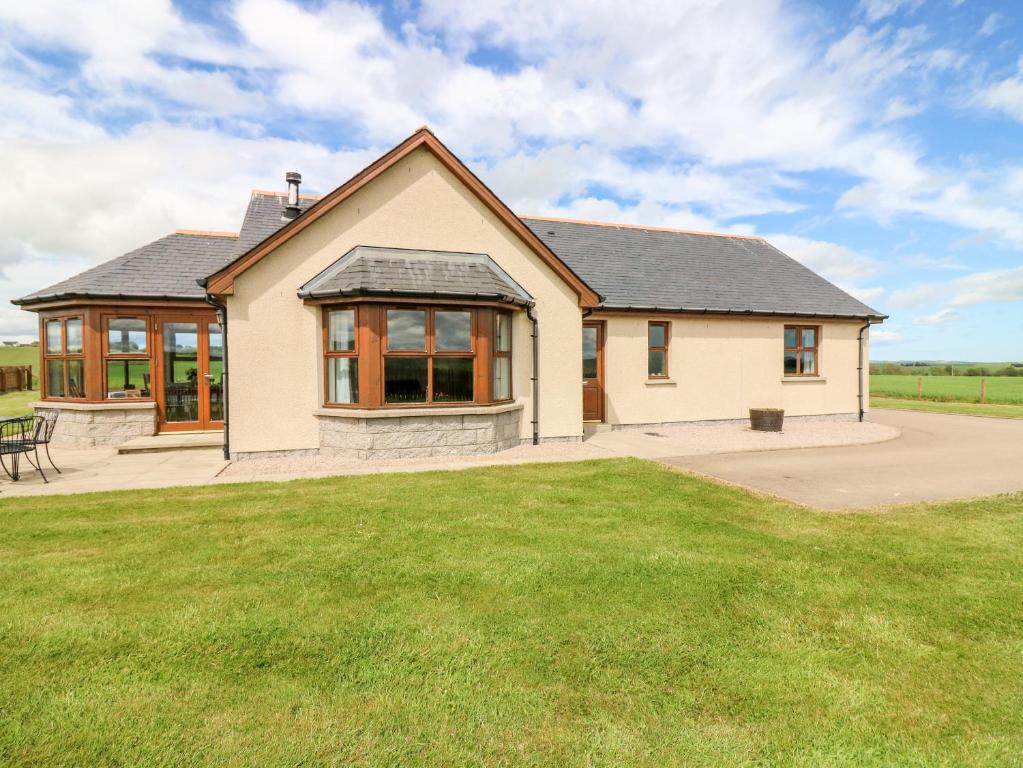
(410, 312)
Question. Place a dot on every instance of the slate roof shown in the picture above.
(665, 270)
(633, 268)
(263, 218)
(164, 269)
(372, 271)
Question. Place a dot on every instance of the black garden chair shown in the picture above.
(45, 423)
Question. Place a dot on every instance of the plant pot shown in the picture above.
(766, 419)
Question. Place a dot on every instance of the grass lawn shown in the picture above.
(1000, 389)
(16, 403)
(593, 614)
(969, 409)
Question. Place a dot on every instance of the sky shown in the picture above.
(879, 142)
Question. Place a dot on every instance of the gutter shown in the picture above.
(222, 319)
(536, 374)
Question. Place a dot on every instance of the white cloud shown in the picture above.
(938, 318)
(837, 263)
(1001, 285)
(935, 262)
(992, 24)
(128, 190)
(879, 338)
(1005, 95)
(875, 10)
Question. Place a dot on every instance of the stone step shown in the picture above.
(591, 428)
(172, 441)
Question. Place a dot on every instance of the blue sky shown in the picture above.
(878, 141)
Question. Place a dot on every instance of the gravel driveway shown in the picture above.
(936, 457)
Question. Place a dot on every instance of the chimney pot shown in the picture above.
(291, 210)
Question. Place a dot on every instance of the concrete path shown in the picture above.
(105, 470)
(937, 456)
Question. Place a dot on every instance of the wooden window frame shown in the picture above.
(107, 356)
(666, 324)
(64, 356)
(799, 349)
(328, 353)
(371, 350)
(496, 354)
(430, 352)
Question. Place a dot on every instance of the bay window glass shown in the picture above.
(342, 369)
(453, 331)
(452, 379)
(406, 330)
(501, 378)
(127, 378)
(127, 336)
(126, 358)
(54, 337)
(341, 330)
(63, 362)
(55, 379)
(343, 380)
(405, 379)
(73, 338)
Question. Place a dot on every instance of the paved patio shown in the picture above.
(86, 470)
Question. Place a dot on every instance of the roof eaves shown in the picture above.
(752, 311)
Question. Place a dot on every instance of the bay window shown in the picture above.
(378, 355)
(63, 358)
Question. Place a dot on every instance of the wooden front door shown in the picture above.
(593, 371)
(190, 361)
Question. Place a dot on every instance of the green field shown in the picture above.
(592, 614)
(22, 356)
(998, 410)
(16, 403)
(1000, 389)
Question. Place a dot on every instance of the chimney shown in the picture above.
(291, 210)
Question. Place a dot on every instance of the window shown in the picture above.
(126, 358)
(657, 336)
(63, 361)
(428, 356)
(342, 360)
(801, 347)
(501, 384)
(385, 356)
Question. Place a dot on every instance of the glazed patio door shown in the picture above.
(593, 371)
(190, 366)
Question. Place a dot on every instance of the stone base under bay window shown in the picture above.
(413, 433)
(100, 425)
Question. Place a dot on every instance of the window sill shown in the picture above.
(434, 410)
(661, 383)
(804, 379)
(107, 405)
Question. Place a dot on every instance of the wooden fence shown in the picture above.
(14, 378)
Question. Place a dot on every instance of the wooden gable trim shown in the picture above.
(222, 282)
